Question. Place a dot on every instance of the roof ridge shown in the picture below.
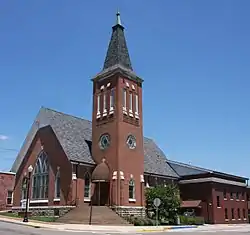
(65, 114)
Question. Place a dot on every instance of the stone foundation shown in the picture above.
(125, 211)
(45, 210)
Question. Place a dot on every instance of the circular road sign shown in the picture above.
(157, 202)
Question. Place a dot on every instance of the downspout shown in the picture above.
(76, 199)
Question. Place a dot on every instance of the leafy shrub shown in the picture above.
(140, 221)
(191, 220)
(170, 203)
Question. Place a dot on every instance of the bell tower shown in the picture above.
(117, 130)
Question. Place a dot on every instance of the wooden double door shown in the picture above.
(101, 194)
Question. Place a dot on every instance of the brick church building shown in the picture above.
(109, 161)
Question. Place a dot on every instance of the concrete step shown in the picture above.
(100, 215)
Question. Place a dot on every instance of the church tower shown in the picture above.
(117, 130)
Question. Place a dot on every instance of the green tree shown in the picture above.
(170, 202)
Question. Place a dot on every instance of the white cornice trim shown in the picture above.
(7, 173)
(212, 179)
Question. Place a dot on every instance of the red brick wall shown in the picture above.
(46, 139)
(241, 203)
(208, 192)
(7, 181)
(199, 191)
(118, 156)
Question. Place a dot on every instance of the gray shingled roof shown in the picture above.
(73, 133)
(183, 169)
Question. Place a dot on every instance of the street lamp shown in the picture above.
(25, 219)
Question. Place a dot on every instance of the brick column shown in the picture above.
(113, 189)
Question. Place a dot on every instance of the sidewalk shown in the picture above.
(85, 227)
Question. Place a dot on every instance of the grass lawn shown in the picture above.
(38, 218)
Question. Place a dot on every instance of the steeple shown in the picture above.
(117, 53)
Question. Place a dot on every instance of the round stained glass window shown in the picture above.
(131, 142)
(104, 141)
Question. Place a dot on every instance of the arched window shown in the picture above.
(131, 189)
(87, 186)
(41, 177)
(57, 184)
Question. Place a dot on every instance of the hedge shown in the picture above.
(191, 220)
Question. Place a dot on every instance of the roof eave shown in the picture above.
(114, 70)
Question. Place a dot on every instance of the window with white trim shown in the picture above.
(232, 213)
(87, 186)
(218, 201)
(98, 104)
(57, 185)
(136, 105)
(131, 189)
(9, 197)
(225, 194)
(226, 214)
(104, 103)
(124, 99)
(112, 99)
(130, 102)
(40, 177)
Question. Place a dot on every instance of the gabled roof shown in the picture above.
(75, 136)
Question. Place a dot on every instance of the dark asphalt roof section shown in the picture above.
(75, 134)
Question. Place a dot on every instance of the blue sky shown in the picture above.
(193, 56)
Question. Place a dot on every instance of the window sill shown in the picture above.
(245, 218)
(218, 207)
(231, 199)
(237, 200)
(226, 220)
(233, 219)
(132, 200)
(243, 200)
(39, 201)
(225, 199)
(104, 113)
(87, 200)
(57, 200)
(239, 219)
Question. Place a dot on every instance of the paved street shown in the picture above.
(13, 229)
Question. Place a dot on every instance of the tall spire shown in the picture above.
(117, 53)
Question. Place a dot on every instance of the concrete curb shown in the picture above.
(112, 229)
(162, 229)
(19, 223)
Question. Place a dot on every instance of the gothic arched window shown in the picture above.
(131, 189)
(57, 184)
(87, 186)
(40, 177)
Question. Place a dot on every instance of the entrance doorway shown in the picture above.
(101, 193)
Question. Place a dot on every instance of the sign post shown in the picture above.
(157, 203)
